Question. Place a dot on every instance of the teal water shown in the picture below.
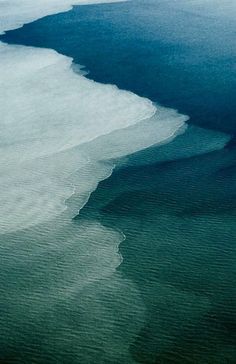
(172, 298)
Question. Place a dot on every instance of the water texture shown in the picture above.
(145, 272)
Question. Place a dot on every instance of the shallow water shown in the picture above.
(76, 291)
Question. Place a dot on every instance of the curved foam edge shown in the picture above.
(49, 112)
(53, 109)
(59, 129)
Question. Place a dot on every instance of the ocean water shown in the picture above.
(145, 272)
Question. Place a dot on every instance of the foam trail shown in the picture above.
(60, 135)
(48, 111)
(72, 109)
(52, 121)
(58, 127)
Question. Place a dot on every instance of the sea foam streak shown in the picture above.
(60, 134)
(47, 109)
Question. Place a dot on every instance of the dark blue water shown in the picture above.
(157, 50)
(176, 208)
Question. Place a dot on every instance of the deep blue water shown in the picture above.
(152, 48)
(176, 209)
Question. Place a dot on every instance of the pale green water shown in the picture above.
(73, 290)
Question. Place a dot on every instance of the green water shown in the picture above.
(146, 272)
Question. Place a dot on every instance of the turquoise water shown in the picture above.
(168, 295)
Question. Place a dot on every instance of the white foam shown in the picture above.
(49, 108)
(59, 135)
(57, 127)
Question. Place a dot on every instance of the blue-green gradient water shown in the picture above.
(172, 298)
